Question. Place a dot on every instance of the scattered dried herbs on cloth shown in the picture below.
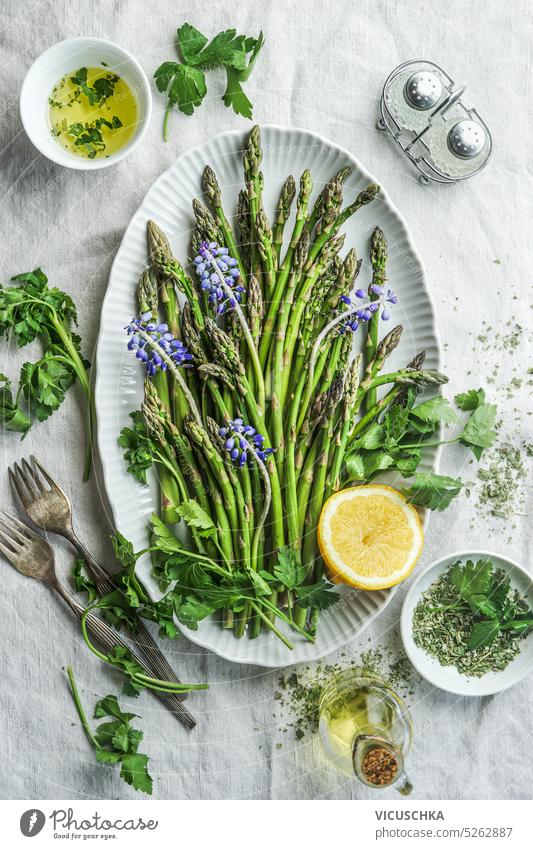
(472, 619)
(298, 693)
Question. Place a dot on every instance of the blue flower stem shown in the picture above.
(326, 331)
(175, 374)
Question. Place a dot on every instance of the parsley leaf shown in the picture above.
(437, 409)
(190, 42)
(472, 580)
(101, 89)
(44, 385)
(227, 48)
(185, 83)
(479, 432)
(137, 447)
(186, 87)
(115, 741)
(288, 570)
(82, 582)
(470, 400)
(433, 491)
(30, 310)
(11, 416)
(195, 517)
(234, 95)
(483, 633)
(319, 596)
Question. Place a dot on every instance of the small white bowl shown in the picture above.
(51, 66)
(447, 677)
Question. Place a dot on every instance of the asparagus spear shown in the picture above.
(314, 506)
(267, 253)
(378, 261)
(252, 157)
(339, 178)
(212, 189)
(147, 298)
(283, 211)
(306, 186)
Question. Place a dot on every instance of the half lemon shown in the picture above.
(370, 537)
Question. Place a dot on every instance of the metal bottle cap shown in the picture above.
(423, 90)
(466, 139)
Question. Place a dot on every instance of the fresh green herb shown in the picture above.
(115, 741)
(101, 89)
(288, 571)
(89, 135)
(472, 619)
(397, 441)
(200, 586)
(34, 310)
(138, 447)
(82, 582)
(470, 400)
(434, 491)
(185, 81)
(11, 415)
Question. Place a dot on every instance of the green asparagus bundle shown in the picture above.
(255, 408)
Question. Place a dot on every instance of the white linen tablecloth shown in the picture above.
(322, 68)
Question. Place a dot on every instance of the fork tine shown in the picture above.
(8, 553)
(46, 475)
(16, 525)
(10, 535)
(33, 475)
(18, 488)
(22, 477)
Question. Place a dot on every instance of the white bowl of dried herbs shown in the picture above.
(467, 623)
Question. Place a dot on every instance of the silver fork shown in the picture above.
(32, 555)
(51, 510)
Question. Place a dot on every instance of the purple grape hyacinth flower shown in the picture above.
(211, 257)
(160, 341)
(241, 439)
(385, 296)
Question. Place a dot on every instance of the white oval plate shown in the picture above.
(119, 378)
(448, 677)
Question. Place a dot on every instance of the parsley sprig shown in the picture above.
(487, 593)
(185, 81)
(200, 586)
(115, 741)
(34, 310)
(397, 441)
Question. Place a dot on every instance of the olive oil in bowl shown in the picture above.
(93, 112)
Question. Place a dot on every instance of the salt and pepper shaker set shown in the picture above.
(425, 114)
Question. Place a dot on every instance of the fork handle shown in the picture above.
(140, 635)
(108, 639)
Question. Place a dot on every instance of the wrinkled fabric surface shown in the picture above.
(322, 68)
